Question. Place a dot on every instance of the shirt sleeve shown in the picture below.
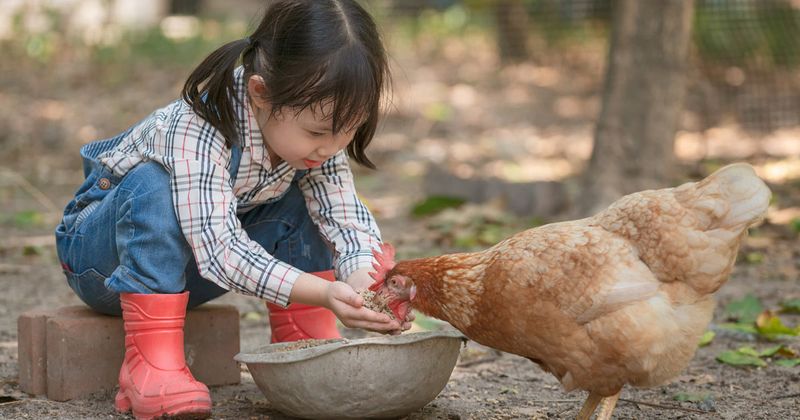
(205, 205)
(342, 217)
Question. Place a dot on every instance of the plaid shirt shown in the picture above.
(206, 199)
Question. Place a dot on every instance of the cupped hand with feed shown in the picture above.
(362, 280)
(349, 308)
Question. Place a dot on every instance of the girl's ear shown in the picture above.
(257, 90)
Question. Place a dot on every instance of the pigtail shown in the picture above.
(209, 90)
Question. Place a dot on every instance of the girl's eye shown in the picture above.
(316, 133)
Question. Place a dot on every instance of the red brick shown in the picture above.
(32, 352)
(73, 351)
(32, 348)
(211, 341)
(84, 353)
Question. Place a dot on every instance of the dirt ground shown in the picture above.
(484, 385)
(43, 124)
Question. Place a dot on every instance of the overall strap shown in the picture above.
(299, 174)
(236, 158)
(90, 152)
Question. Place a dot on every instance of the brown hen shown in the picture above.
(618, 298)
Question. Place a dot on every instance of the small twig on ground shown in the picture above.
(478, 361)
(33, 191)
(668, 407)
(3, 404)
(555, 401)
(14, 268)
(494, 355)
(26, 241)
(39, 400)
(563, 411)
(780, 397)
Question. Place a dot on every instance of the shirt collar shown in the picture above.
(249, 133)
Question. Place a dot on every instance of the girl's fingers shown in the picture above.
(374, 326)
(366, 315)
(356, 300)
(345, 294)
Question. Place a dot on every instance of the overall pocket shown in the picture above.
(88, 197)
(90, 287)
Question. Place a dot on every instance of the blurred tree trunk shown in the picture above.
(512, 30)
(642, 101)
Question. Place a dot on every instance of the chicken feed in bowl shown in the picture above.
(378, 377)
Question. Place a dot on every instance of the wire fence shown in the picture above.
(745, 63)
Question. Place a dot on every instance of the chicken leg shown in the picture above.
(589, 406)
(607, 405)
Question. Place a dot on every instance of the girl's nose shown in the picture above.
(327, 151)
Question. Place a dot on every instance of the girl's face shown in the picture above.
(304, 140)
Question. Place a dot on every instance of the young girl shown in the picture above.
(242, 185)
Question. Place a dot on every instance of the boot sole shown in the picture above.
(191, 410)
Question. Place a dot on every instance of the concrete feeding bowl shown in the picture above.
(381, 377)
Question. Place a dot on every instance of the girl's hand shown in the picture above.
(348, 307)
(360, 279)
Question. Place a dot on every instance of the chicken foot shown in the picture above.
(607, 405)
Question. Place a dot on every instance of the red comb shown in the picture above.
(384, 262)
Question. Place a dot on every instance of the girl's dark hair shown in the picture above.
(309, 53)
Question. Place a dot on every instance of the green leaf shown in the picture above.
(788, 362)
(754, 258)
(435, 204)
(492, 234)
(32, 250)
(795, 224)
(779, 350)
(736, 326)
(28, 219)
(791, 306)
(252, 316)
(745, 310)
(691, 397)
(770, 326)
(427, 323)
(536, 221)
(466, 241)
(438, 111)
(748, 351)
(735, 358)
(706, 339)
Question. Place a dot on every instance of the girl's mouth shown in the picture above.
(312, 163)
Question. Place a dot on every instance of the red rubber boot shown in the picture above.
(154, 380)
(301, 322)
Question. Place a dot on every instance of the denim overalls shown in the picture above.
(121, 234)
